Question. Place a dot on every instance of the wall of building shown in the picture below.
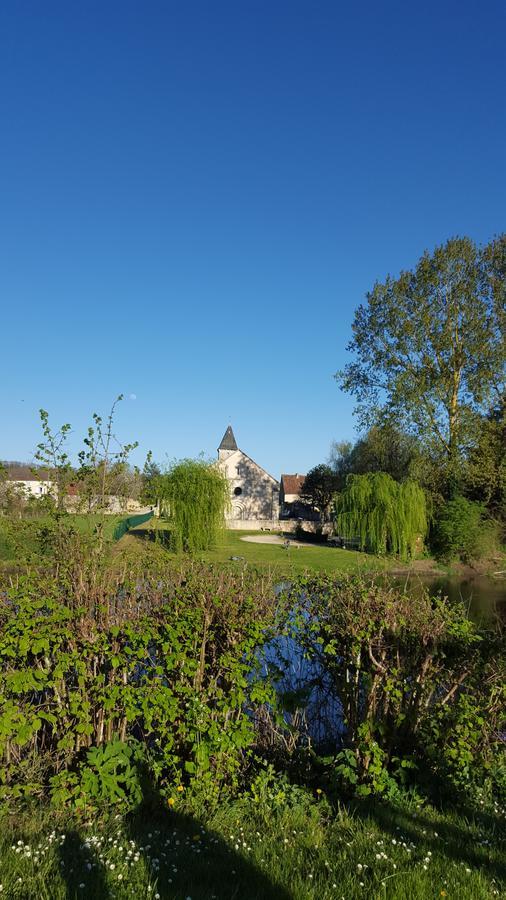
(254, 494)
(35, 488)
(285, 525)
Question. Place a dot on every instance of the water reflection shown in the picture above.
(483, 597)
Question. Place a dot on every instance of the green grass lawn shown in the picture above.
(310, 557)
(294, 845)
(25, 537)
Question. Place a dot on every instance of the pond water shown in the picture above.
(484, 597)
(304, 684)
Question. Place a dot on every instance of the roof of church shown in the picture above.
(228, 441)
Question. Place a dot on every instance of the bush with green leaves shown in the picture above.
(167, 658)
(414, 682)
(462, 531)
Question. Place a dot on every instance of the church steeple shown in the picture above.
(228, 444)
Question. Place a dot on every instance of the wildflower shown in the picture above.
(180, 788)
(319, 791)
(171, 801)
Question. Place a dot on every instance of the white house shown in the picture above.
(33, 482)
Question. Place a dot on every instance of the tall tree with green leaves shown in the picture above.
(320, 485)
(429, 347)
(194, 496)
(384, 448)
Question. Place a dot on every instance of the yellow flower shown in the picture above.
(171, 801)
(443, 893)
(180, 788)
(319, 790)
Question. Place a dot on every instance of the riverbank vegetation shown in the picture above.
(195, 730)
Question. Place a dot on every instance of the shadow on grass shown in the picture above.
(193, 861)
(182, 857)
(81, 869)
(160, 536)
(466, 840)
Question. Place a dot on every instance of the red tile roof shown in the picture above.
(292, 484)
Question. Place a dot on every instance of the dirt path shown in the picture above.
(272, 539)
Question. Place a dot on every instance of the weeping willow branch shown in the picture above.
(385, 516)
(194, 497)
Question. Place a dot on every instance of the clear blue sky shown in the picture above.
(194, 197)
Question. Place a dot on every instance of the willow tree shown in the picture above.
(386, 516)
(194, 496)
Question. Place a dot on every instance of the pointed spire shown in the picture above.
(228, 441)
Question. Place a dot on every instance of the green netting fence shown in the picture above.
(132, 522)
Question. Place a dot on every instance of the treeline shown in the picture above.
(428, 375)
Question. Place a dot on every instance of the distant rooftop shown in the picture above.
(228, 441)
(293, 484)
(21, 472)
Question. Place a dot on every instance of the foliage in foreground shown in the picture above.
(94, 660)
(107, 673)
(385, 515)
(407, 686)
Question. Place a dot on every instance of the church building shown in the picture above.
(254, 493)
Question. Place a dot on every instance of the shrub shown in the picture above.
(167, 657)
(404, 680)
(462, 531)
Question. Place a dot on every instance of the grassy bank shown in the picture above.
(19, 537)
(293, 559)
(290, 844)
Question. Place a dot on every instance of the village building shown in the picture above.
(254, 494)
(30, 481)
(291, 504)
